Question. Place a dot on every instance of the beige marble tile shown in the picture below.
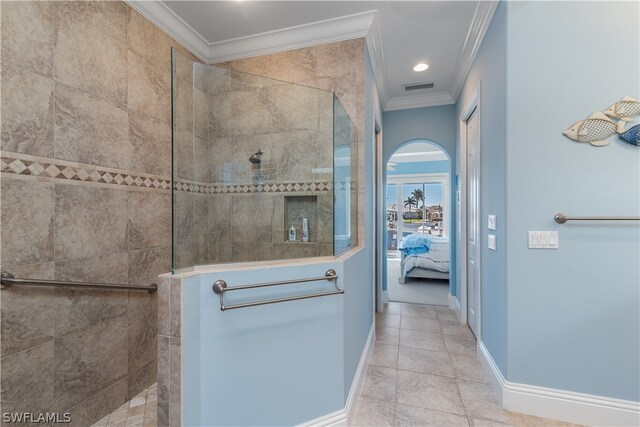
(444, 313)
(142, 319)
(467, 368)
(97, 406)
(247, 225)
(175, 380)
(163, 381)
(388, 320)
(523, 420)
(148, 41)
(76, 61)
(392, 308)
(175, 309)
(460, 345)
(407, 415)
(77, 309)
(107, 16)
(27, 312)
(27, 380)
(200, 113)
(422, 340)
(26, 105)
(90, 130)
(104, 268)
(251, 251)
(295, 250)
(143, 375)
(149, 219)
(201, 159)
(371, 412)
(150, 144)
(89, 221)
(388, 336)
(146, 264)
(419, 310)
(27, 35)
(385, 355)
(183, 203)
(380, 383)
(89, 360)
(430, 392)
(149, 88)
(421, 324)
(454, 327)
(27, 222)
(425, 361)
(480, 401)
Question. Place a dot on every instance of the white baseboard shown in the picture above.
(556, 404)
(341, 418)
(385, 297)
(454, 304)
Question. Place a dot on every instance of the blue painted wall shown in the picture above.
(573, 314)
(434, 124)
(489, 73)
(278, 364)
(409, 168)
(567, 319)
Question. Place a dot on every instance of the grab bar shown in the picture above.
(561, 218)
(7, 279)
(220, 287)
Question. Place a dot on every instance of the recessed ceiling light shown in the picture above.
(420, 67)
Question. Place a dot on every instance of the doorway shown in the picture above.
(417, 224)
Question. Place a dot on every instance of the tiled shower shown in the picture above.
(229, 209)
(86, 173)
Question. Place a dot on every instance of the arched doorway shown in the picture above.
(419, 213)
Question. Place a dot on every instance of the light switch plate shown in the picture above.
(491, 242)
(543, 240)
(492, 222)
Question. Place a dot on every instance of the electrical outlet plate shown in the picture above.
(491, 242)
(543, 240)
(492, 222)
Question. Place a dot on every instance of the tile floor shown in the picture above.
(139, 411)
(424, 372)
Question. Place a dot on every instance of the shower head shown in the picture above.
(255, 157)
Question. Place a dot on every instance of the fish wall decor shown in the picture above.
(601, 125)
(624, 110)
(632, 136)
(595, 130)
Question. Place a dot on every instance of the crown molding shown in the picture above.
(419, 101)
(376, 56)
(165, 19)
(477, 30)
(328, 31)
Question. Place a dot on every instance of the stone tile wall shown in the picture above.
(86, 165)
(337, 67)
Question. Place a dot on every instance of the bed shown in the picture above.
(424, 256)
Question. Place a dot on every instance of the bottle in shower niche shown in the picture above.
(305, 230)
(292, 234)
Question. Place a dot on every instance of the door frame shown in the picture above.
(380, 218)
(473, 105)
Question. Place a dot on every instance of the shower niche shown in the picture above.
(296, 208)
(252, 156)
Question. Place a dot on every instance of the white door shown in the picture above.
(473, 220)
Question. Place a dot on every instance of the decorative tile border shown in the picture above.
(44, 168)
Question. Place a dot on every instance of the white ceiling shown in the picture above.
(444, 34)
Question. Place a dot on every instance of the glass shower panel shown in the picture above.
(260, 182)
(345, 177)
(182, 176)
